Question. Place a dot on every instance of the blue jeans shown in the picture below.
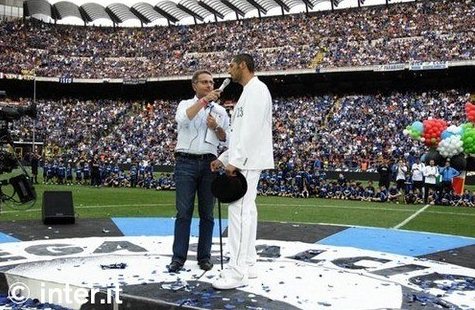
(193, 176)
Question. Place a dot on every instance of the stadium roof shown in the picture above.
(162, 12)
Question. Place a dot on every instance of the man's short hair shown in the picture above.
(247, 59)
(195, 76)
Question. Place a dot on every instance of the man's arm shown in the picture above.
(201, 103)
(196, 107)
(220, 133)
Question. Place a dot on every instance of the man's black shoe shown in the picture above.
(174, 266)
(205, 265)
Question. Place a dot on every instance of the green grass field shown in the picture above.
(125, 202)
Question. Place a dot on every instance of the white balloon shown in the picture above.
(451, 128)
(450, 146)
(454, 129)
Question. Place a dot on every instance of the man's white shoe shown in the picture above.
(252, 272)
(228, 283)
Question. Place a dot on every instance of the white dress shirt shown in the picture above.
(192, 134)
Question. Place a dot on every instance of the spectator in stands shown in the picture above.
(202, 124)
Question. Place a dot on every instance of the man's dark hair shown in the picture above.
(194, 79)
(247, 59)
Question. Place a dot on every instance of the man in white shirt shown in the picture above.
(250, 151)
(417, 174)
(202, 124)
(401, 171)
(431, 173)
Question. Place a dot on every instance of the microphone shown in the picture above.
(225, 83)
(221, 88)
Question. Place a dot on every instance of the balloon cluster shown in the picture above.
(430, 131)
(468, 138)
(415, 130)
(450, 146)
(447, 143)
(470, 111)
(433, 129)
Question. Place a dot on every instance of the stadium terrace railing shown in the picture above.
(428, 65)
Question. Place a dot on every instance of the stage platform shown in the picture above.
(120, 263)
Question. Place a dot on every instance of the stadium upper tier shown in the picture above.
(402, 33)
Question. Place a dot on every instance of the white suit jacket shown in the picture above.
(250, 134)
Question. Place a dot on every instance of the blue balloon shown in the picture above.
(445, 134)
(417, 126)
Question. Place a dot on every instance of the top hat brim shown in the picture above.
(229, 188)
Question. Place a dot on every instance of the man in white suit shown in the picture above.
(250, 151)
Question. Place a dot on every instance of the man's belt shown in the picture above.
(207, 156)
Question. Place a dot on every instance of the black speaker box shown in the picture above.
(58, 207)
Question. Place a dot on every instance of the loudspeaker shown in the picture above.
(23, 187)
(58, 207)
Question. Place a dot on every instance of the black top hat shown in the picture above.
(229, 188)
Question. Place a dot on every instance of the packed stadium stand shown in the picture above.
(307, 128)
(399, 33)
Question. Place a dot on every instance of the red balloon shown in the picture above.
(470, 111)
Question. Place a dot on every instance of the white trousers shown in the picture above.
(242, 228)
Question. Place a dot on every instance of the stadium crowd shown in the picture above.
(398, 33)
(311, 134)
(307, 128)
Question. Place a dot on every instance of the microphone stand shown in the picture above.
(220, 234)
